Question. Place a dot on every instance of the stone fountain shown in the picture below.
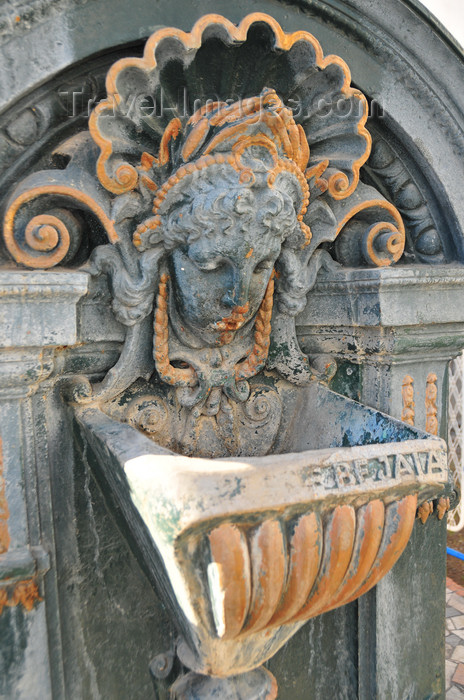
(254, 497)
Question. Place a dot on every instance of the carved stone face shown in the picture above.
(220, 281)
(223, 250)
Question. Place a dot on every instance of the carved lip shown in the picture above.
(207, 489)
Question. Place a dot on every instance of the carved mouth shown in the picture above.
(235, 321)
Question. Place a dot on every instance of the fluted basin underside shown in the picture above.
(248, 549)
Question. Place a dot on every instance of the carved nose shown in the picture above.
(230, 298)
(237, 293)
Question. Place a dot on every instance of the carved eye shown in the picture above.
(263, 266)
(210, 265)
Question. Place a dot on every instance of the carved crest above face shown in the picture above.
(216, 210)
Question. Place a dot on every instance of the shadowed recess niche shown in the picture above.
(257, 497)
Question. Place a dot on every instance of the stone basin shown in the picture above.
(246, 549)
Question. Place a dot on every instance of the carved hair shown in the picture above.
(215, 200)
(254, 144)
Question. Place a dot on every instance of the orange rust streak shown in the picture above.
(424, 510)
(147, 160)
(274, 688)
(383, 204)
(278, 128)
(370, 526)
(407, 393)
(442, 506)
(338, 548)
(169, 374)
(395, 244)
(294, 135)
(25, 593)
(149, 183)
(431, 410)
(189, 169)
(230, 552)
(245, 141)
(229, 131)
(235, 320)
(317, 170)
(257, 357)
(171, 132)
(268, 573)
(241, 109)
(249, 254)
(208, 107)
(304, 561)
(195, 139)
(4, 511)
(303, 149)
(405, 511)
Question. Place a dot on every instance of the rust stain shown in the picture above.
(149, 183)
(256, 360)
(229, 552)
(407, 392)
(424, 510)
(369, 531)
(171, 132)
(25, 593)
(431, 410)
(274, 688)
(322, 184)
(268, 564)
(339, 542)
(235, 320)
(147, 160)
(196, 138)
(304, 561)
(208, 107)
(397, 239)
(4, 511)
(169, 374)
(442, 507)
(403, 514)
(249, 254)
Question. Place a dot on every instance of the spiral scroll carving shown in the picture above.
(383, 244)
(44, 240)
